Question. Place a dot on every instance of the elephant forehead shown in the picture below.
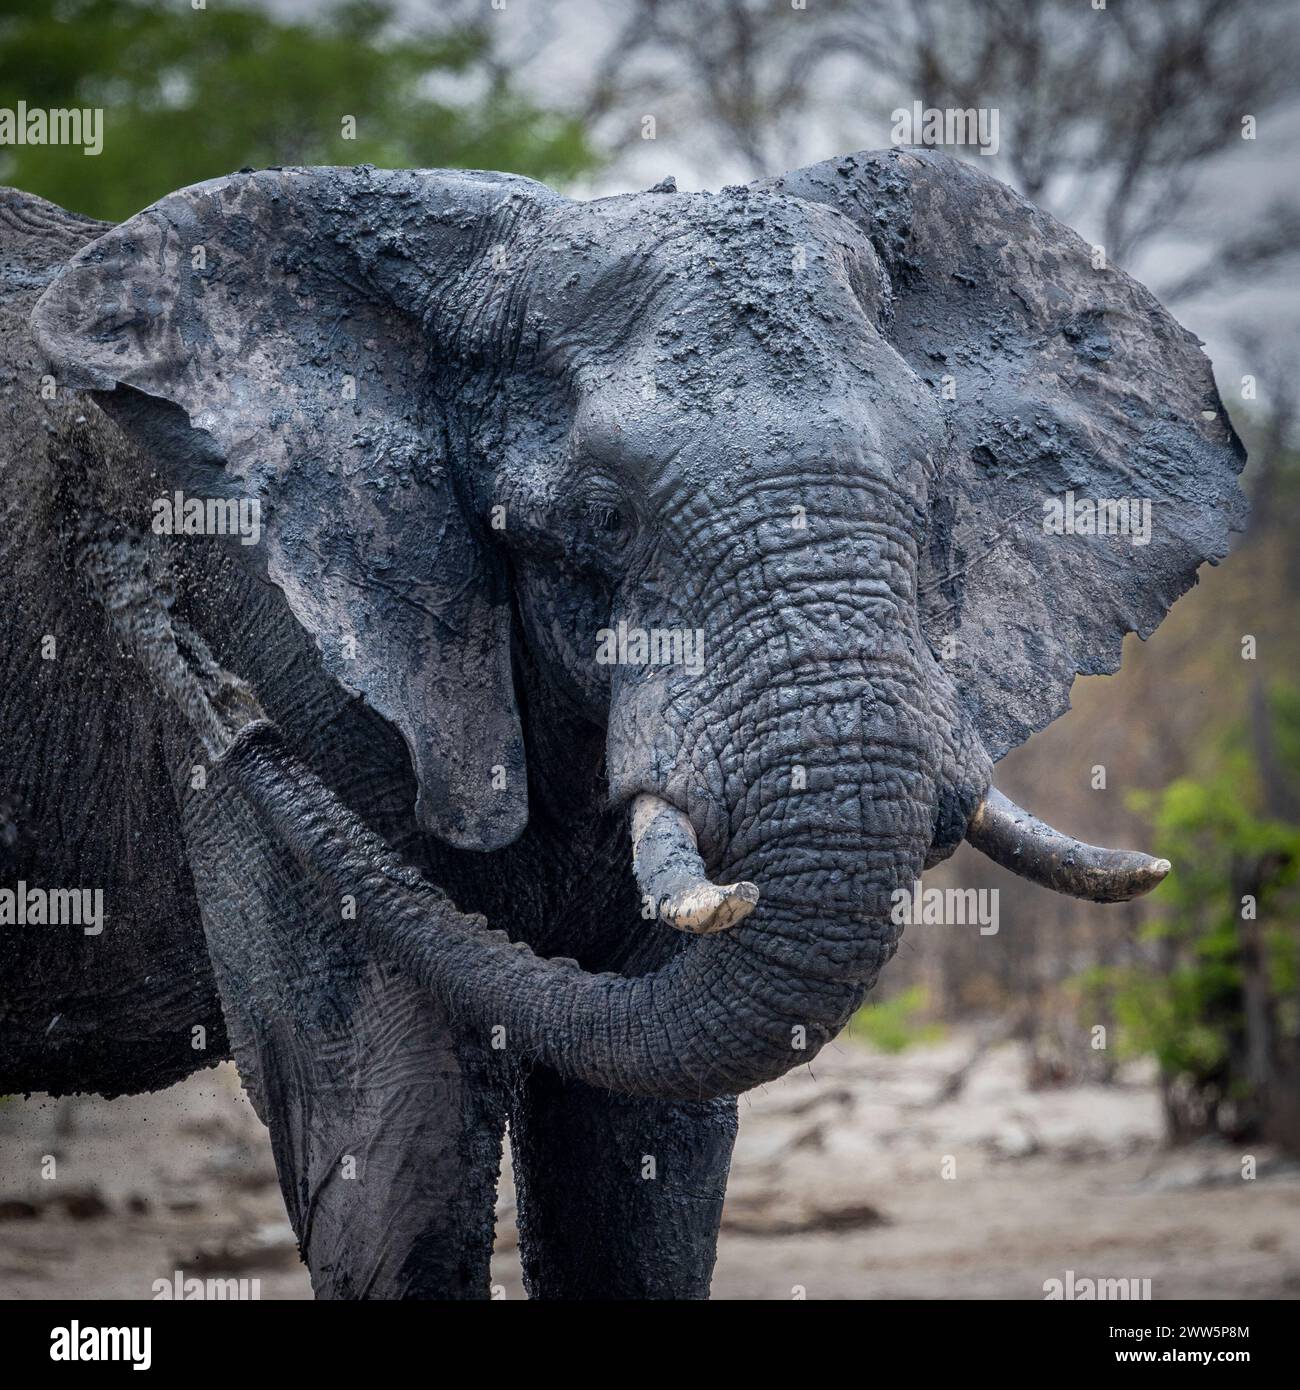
(688, 277)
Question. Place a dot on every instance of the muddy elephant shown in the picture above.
(636, 595)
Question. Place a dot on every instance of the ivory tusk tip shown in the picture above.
(670, 873)
(1152, 875)
(709, 907)
(1143, 876)
(1010, 836)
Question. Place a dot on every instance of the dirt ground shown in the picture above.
(856, 1180)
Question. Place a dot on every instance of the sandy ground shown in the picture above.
(855, 1181)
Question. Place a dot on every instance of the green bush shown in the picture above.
(895, 1024)
(1227, 933)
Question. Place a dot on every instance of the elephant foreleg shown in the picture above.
(386, 1129)
(619, 1197)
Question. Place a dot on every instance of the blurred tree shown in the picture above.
(1113, 110)
(1110, 114)
(192, 94)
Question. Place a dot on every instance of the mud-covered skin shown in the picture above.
(78, 725)
(484, 423)
(358, 1044)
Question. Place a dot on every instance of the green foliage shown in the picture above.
(896, 1024)
(1185, 1003)
(193, 94)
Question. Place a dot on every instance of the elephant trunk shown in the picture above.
(731, 1011)
(727, 1012)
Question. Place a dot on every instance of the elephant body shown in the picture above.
(358, 794)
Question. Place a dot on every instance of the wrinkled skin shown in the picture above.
(485, 423)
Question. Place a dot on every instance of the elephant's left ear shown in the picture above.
(278, 339)
(1093, 467)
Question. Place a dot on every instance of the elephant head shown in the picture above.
(754, 480)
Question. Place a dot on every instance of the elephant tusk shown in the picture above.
(670, 872)
(1010, 836)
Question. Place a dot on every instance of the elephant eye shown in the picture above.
(606, 520)
(604, 524)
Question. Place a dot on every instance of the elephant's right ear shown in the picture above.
(303, 322)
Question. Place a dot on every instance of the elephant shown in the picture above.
(643, 590)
